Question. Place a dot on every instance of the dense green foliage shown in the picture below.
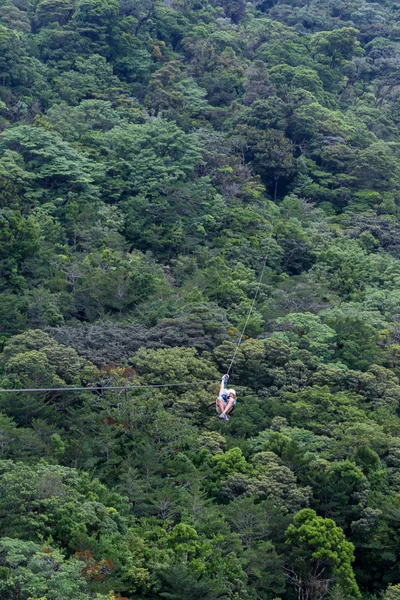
(152, 153)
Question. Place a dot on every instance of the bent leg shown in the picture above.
(230, 404)
(220, 405)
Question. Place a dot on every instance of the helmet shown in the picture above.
(231, 392)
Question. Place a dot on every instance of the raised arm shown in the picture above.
(222, 386)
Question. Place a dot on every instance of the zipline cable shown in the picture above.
(107, 387)
(161, 385)
(255, 295)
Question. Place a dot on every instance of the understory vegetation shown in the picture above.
(153, 154)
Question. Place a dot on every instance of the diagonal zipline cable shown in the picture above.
(255, 295)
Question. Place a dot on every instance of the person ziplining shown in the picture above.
(226, 400)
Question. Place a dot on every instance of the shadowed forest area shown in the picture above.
(152, 154)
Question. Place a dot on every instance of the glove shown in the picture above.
(225, 378)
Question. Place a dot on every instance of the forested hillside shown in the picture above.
(153, 153)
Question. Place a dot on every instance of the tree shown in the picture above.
(17, 68)
(392, 592)
(19, 239)
(298, 255)
(34, 357)
(53, 500)
(172, 365)
(340, 489)
(12, 315)
(317, 409)
(319, 556)
(357, 342)
(336, 46)
(277, 483)
(305, 331)
(91, 77)
(271, 154)
(94, 19)
(142, 10)
(144, 158)
(376, 167)
(28, 568)
(54, 11)
(113, 281)
(348, 267)
(45, 165)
